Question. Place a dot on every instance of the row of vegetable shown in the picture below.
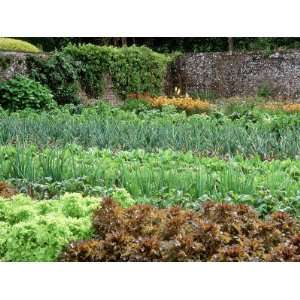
(164, 178)
(246, 133)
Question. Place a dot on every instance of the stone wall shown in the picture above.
(239, 74)
(109, 94)
(12, 63)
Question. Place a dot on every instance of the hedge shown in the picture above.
(8, 44)
(74, 68)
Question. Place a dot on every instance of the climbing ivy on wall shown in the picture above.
(58, 72)
(133, 69)
(74, 68)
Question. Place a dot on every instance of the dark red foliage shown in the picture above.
(6, 191)
(221, 232)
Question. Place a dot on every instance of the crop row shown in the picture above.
(163, 178)
(76, 228)
(220, 232)
(200, 134)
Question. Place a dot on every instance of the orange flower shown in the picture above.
(188, 104)
(292, 107)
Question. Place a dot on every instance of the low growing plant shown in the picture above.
(220, 232)
(136, 105)
(37, 231)
(21, 92)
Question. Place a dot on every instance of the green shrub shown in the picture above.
(58, 72)
(133, 69)
(8, 44)
(74, 68)
(220, 232)
(37, 231)
(138, 70)
(22, 92)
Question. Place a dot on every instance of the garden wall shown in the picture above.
(239, 74)
(12, 63)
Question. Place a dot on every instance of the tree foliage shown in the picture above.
(169, 44)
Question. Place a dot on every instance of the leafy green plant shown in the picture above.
(37, 231)
(136, 105)
(123, 197)
(22, 92)
(238, 107)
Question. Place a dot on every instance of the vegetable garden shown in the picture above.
(156, 179)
